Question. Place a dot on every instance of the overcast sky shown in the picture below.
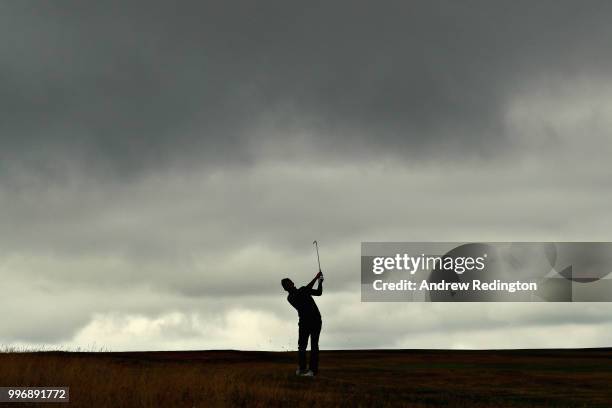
(163, 165)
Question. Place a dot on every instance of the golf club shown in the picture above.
(318, 260)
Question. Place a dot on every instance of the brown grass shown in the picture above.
(415, 378)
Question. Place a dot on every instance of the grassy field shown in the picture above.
(415, 378)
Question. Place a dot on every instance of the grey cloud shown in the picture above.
(188, 233)
(123, 87)
(162, 161)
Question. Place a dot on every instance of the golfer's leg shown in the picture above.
(314, 346)
(302, 343)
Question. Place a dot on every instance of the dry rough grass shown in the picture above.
(415, 378)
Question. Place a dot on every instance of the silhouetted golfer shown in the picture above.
(310, 321)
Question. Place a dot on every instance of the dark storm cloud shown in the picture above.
(127, 86)
(299, 94)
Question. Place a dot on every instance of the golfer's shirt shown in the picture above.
(303, 302)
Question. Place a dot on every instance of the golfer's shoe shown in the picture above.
(306, 373)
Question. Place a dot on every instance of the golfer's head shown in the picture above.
(287, 284)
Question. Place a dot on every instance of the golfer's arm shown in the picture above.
(312, 282)
(318, 291)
